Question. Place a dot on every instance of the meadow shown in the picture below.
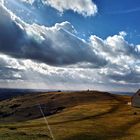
(86, 115)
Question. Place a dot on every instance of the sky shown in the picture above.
(72, 45)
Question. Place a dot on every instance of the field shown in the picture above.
(87, 115)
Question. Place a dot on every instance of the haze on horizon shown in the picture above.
(68, 44)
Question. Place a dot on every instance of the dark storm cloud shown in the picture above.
(130, 77)
(59, 46)
(9, 73)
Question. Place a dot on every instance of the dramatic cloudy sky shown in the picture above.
(70, 44)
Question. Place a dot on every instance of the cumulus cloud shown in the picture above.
(67, 26)
(124, 58)
(34, 53)
(2, 2)
(55, 45)
(28, 1)
(116, 48)
(83, 7)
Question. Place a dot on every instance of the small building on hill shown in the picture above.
(135, 100)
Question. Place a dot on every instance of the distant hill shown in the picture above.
(6, 93)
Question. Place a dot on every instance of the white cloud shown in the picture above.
(2, 2)
(124, 58)
(83, 7)
(28, 71)
(138, 48)
(122, 33)
(28, 1)
(74, 60)
(43, 43)
(67, 26)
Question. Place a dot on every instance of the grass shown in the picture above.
(103, 119)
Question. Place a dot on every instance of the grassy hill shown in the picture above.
(83, 115)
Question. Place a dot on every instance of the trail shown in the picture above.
(47, 123)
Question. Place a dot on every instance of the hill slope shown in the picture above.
(72, 116)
